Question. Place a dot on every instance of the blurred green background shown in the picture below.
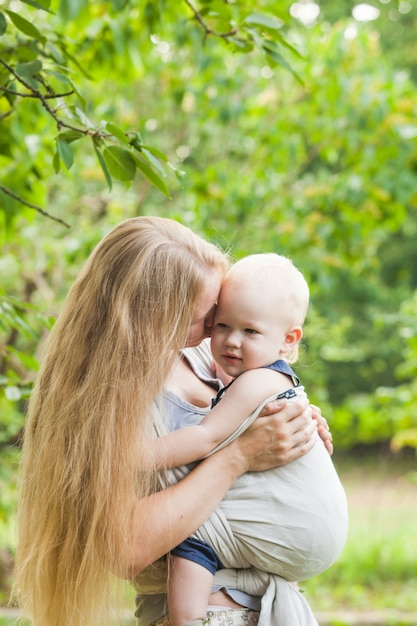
(273, 126)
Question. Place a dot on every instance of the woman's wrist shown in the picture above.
(232, 461)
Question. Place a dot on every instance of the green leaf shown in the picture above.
(118, 5)
(70, 9)
(55, 53)
(286, 44)
(43, 6)
(241, 46)
(272, 23)
(62, 78)
(159, 155)
(27, 360)
(118, 133)
(79, 95)
(81, 116)
(56, 162)
(26, 54)
(103, 165)
(3, 24)
(152, 176)
(179, 174)
(65, 152)
(70, 135)
(25, 27)
(11, 317)
(277, 58)
(76, 62)
(27, 70)
(120, 162)
(153, 160)
(16, 303)
(272, 51)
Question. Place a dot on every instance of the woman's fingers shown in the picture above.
(289, 410)
(323, 428)
(326, 435)
(285, 433)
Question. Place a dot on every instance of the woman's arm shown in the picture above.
(164, 519)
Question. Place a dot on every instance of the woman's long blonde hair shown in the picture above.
(108, 355)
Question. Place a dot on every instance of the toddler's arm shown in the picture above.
(195, 442)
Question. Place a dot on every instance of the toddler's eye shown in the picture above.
(251, 331)
(221, 325)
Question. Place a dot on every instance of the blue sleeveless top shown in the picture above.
(280, 366)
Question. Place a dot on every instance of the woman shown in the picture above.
(288, 522)
(88, 506)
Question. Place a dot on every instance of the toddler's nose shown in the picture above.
(233, 339)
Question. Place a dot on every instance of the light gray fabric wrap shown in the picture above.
(277, 526)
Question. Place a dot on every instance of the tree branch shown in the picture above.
(35, 94)
(206, 28)
(3, 117)
(10, 193)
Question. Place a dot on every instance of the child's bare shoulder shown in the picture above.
(262, 382)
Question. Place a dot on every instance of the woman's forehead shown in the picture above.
(210, 292)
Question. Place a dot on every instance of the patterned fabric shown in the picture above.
(226, 617)
(235, 617)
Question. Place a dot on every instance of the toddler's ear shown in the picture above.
(294, 336)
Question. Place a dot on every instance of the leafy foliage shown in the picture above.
(41, 66)
(188, 110)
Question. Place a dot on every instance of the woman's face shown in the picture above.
(204, 311)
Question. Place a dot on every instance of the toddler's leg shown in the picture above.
(189, 588)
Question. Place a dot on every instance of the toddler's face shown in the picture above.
(248, 330)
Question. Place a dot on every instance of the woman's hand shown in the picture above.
(322, 428)
(283, 432)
